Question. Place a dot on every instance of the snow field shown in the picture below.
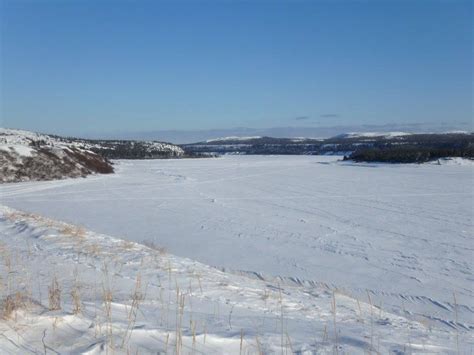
(394, 238)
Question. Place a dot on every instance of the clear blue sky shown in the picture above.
(97, 66)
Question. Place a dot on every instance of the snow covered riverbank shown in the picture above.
(66, 289)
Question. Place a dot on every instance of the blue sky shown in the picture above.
(74, 67)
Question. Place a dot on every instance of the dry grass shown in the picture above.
(334, 312)
(137, 297)
(180, 304)
(152, 245)
(73, 231)
(92, 249)
(11, 303)
(54, 295)
(76, 295)
(126, 245)
(107, 297)
(76, 301)
(16, 300)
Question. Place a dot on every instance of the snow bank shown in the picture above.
(453, 161)
(69, 290)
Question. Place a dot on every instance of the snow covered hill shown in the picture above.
(425, 147)
(32, 156)
(69, 290)
(232, 138)
(372, 134)
(28, 155)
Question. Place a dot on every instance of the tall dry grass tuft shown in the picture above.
(193, 332)
(76, 301)
(54, 295)
(180, 303)
(280, 301)
(107, 297)
(371, 320)
(334, 312)
(137, 297)
(11, 304)
(76, 296)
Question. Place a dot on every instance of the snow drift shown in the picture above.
(70, 290)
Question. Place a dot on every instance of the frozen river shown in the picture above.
(402, 233)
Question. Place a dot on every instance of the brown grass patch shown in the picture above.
(54, 295)
(12, 303)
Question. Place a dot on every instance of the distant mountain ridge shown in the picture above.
(189, 136)
(409, 147)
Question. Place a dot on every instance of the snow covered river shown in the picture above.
(402, 233)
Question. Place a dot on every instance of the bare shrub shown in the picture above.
(91, 161)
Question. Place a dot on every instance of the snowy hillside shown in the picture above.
(25, 138)
(28, 156)
(69, 290)
(232, 138)
(372, 134)
(113, 149)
